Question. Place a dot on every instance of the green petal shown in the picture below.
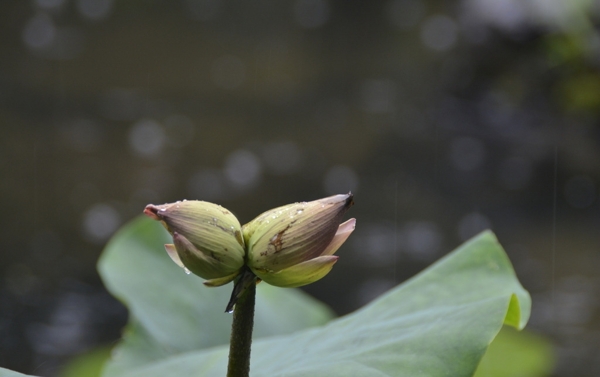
(289, 235)
(172, 252)
(209, 227)
(344, 231)
(206, 265)
(300, 274)
(221, 281)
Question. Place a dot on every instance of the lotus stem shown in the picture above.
(241, 330)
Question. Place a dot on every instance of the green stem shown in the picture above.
(241, 333)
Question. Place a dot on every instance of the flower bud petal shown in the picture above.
(299, 274)
(292, 234)
(172, 251)
(205, 265)
(207, 237)
(344, 231)
(221, 281)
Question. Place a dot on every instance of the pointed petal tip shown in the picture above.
(151, 211)
(172, 252)
(347, 199)
(343, 232)
(214, 283)
(340, 200)
(350, 199)
(347, 226)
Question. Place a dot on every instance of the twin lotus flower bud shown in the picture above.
(207, 239)
(289, 246)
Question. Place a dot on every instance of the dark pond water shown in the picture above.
(444, 119)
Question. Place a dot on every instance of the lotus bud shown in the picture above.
(293, 245)
(207, 239)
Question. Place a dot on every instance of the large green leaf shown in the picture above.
(11, 373)
(439, 323)
(172, 313)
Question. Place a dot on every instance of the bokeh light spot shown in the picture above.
(508, 15)
(100, 222)
(147, 137)
(439, 33)
(243, 169)
(340, 179)
(39, 32)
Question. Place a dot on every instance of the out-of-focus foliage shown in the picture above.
(90, 364)
(517, 354)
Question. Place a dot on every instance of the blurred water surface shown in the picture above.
(443, 117)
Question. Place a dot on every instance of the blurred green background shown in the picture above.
(442, 117)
